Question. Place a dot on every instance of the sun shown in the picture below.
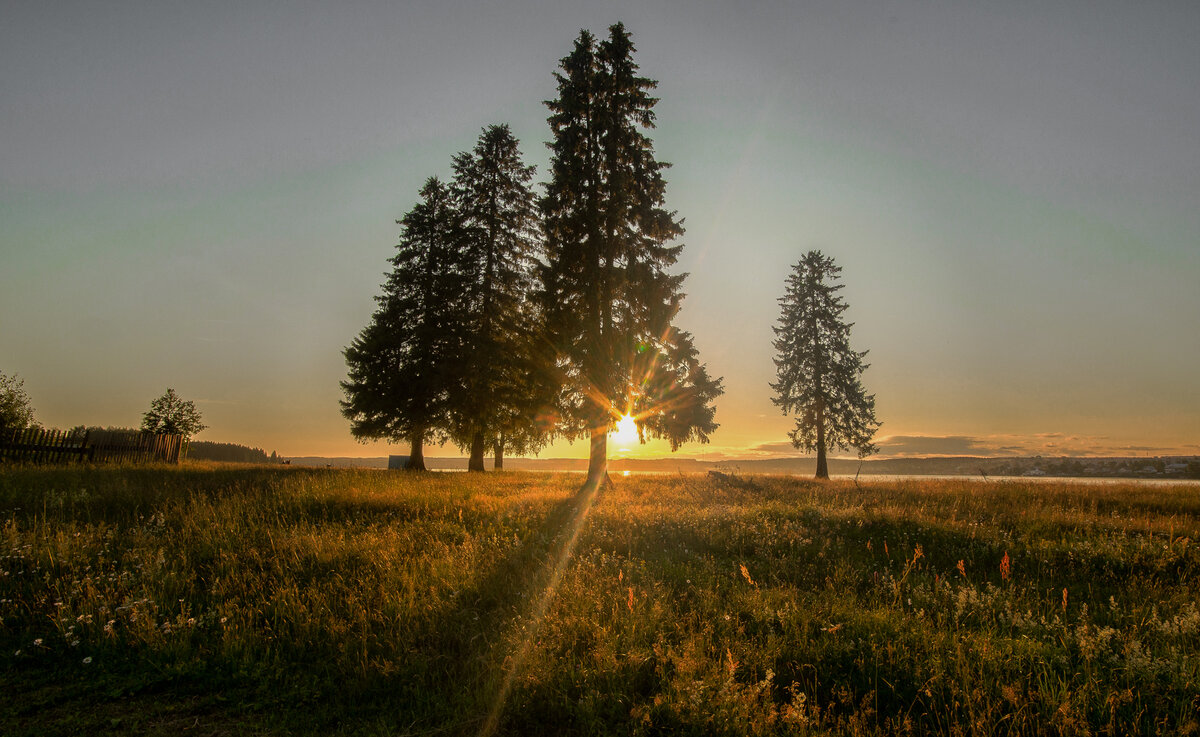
(626, 432)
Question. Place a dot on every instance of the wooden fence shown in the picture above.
(98, 446)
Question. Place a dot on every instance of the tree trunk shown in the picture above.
(416, 459)
(822, 465)
(476, 462)
(598, 460)
(499, 450)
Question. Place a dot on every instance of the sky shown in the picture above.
(203, 196)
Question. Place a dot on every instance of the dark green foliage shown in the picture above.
(459, 348)
(84, 429)
(610, 301)
(403, 367)
(819, 375)
(201, 450)
(16, 409)
(172, 415)
(498, 403)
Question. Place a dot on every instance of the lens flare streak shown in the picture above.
(587, 497)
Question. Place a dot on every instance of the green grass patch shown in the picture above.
(298, 601)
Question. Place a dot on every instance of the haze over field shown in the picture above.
(204, 197)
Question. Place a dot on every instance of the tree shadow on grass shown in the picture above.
(473, 652)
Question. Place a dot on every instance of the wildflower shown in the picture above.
(74, 643)
(630, 601)
(1064, 600)
(37, 642)
(1005, 567)
(87, 660)
(962, 568)
(746, 575)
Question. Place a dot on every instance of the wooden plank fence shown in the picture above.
(43, 446)
(136, 447)
(98, 446)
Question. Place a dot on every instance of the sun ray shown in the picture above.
(533, 619)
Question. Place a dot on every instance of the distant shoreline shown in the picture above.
(1172, 468)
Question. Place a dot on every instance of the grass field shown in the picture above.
(214, 601)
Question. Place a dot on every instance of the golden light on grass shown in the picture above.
(516, 604)
(533, 621)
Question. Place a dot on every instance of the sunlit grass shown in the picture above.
(281, 601)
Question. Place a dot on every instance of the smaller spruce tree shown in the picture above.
(820, 377)
(497, 402)
(403, 366)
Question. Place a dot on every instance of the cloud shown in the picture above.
(933, 445)
(1048, 444)
(772, 449)
(1035, 444)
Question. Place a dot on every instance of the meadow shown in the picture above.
(266, 600)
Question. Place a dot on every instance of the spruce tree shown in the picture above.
(403, 366)
(609, 299)
(499, 248)
(820, 377)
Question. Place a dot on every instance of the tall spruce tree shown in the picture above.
(820, 377)
(403, 367)
(499, 246)
(609, 300)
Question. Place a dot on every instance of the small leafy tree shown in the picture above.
(171, 415)
(16, 409)
(820, 377)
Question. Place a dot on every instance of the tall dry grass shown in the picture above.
(281, 601)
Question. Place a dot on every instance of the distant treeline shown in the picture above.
(202, 450)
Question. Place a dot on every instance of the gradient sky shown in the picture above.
(203, 196)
